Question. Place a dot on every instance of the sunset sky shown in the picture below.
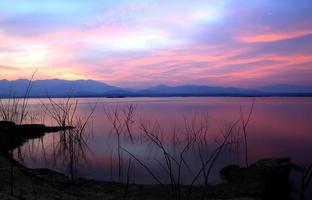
(137, 43)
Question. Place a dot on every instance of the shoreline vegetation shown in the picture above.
(264, 179)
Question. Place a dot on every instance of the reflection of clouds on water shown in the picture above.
(280, 127)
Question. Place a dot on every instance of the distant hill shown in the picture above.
(91, 88)
(56, 88)
(285, 89)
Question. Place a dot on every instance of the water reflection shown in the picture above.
(280, 127)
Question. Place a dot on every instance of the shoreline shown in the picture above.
(308, 95)
(241, 184)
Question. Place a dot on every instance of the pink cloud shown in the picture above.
(121, 56)
(275, 36)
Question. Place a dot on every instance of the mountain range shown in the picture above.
(91, 88)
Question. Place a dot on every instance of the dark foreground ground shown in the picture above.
(266, 179)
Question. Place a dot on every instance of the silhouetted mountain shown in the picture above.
(55, 88)
(91, 88)
(285, 89)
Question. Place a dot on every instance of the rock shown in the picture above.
(7, 197)
(13, 135)
(30, 129)
(267, 178)
(6, 124)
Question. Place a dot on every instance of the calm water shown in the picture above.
(279, 127)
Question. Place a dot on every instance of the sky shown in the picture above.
(139, 43)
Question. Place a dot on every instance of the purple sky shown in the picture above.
(141, 43)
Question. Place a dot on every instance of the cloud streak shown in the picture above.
(273, 37)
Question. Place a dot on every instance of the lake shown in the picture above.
(278, 127)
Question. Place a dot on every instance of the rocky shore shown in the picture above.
(14, 135)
